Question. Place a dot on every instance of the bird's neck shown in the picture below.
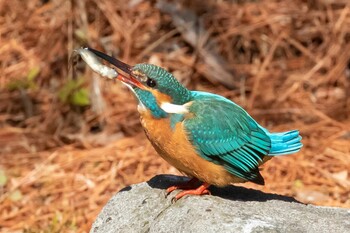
(180, 95)
(149, 102)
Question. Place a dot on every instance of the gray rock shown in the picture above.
(144, 208)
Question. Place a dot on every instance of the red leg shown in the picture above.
(201, 190)
(188, 185)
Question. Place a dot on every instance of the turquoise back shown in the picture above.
(225, 134)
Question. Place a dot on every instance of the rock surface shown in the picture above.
(144, 208)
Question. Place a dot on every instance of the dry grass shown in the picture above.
(288, 64)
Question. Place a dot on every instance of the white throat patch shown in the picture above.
(174, 108)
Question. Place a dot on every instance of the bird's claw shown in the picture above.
(201, 190)
(171, 189)
(188, 185)
(173, 200)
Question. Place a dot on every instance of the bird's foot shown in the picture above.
(201, 190)
(187, 185)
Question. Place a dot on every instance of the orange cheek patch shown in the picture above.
(161, 97)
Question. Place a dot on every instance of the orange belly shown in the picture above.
(173, 145)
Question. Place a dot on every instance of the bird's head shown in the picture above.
(156, 89)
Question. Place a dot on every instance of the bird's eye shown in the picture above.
(151, 82)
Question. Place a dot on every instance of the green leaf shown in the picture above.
(16, 195)
(16, 85)
(33, 73)
(74, 93)
(66, 91)
(298, 184)
(80, 97)
(25, 83)
(3, 178)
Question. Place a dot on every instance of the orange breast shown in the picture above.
(173, 145)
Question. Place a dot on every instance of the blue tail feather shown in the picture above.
(285, 143)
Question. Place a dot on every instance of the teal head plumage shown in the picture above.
(206, 136)
(156, 79)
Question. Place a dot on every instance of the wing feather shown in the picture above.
(225, 134)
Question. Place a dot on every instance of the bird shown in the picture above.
(207, 137)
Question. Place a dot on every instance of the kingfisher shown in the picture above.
(205, 136)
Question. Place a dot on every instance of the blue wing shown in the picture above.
(225, 134)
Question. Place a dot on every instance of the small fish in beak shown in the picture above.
(90, 56)
(94, 63)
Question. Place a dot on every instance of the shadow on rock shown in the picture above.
(230, 192)
(127, 188)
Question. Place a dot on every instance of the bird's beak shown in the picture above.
(130, 78)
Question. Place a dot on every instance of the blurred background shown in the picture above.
(70, 139)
